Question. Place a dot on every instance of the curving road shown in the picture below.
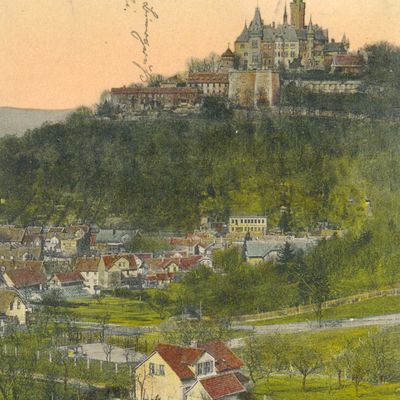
(312, 326)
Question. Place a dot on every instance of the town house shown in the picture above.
(207, 371)
(12, 307)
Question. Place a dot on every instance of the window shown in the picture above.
(242, 46)
(11, 306)
(254, 44)
(205, 368)
(156, 369)
(152, 369)
(18, 305)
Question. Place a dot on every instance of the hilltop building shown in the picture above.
(288, 45)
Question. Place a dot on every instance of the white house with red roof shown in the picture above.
(207, 371)
(114, 269)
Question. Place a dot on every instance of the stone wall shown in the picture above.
(328, 86)
(254, 88)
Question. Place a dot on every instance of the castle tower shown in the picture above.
(227, 60)
(310, 45)
(298, 14)
(285, 16)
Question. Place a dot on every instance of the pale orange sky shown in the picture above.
(64, 53)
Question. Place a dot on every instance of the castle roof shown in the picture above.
(244, 36)
(257, 23)
(228, 53)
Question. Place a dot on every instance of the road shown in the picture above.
(382, 320)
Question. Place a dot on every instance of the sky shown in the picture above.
(58, 54)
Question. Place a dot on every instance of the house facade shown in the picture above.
(211, 371)
(12, 306)
(255, 225)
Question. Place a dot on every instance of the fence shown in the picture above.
(305, 309)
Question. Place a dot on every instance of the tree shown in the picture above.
(160, 302)
(306, 360)
(286, 257)
(103, 321)
(108, 349)
(381, 358)
(215, 107)
(356, 362)
(258, 358)
(212, 63)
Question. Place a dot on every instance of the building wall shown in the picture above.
(167, 387)
(247, 88)
(17, 310)
(342, 86)
(254, 225)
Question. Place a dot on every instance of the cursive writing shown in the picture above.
(143, 37)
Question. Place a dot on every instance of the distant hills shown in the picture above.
(15, 121)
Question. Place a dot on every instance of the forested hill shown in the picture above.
(166, 173)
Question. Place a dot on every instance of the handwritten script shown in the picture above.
(143, 35)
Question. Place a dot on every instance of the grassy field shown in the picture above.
(367, 308)
(123, 311)
(284, 388)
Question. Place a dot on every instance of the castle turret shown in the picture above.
(346, 42)
(298, 14)
(257, 24)
(285, 16)
(227, 60)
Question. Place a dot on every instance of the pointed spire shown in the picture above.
(285, 15)
(257, 21)
(310, 24)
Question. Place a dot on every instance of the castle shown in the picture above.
(250, 76)
(288, 45)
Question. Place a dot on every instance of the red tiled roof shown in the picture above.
(110, 260)
(208, 77)
(226, 359)
(14, 264)
(155, 90)
(348, 60)
(179, 358)
(187, 263)
(87, 264)
(220, 386)
(66, 277)
(26, 277)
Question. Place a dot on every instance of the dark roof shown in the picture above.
(335, 47)
(26, 277)
(228, 53)
(220, 386)
(11, 234)
(115, 236)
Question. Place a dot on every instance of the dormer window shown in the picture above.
(205, 368)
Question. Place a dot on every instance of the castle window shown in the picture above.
(246, 54)
(254, 44)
